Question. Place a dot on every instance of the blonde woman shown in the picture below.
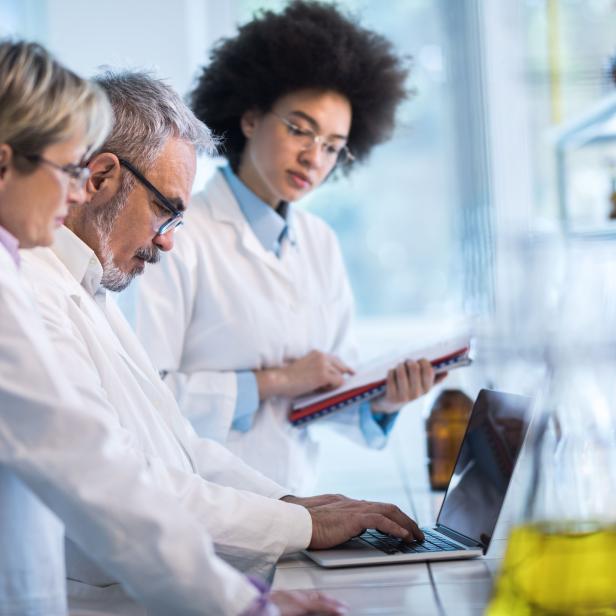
(58, 464)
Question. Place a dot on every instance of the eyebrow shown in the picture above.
(176, 202)
(314, 123)
(179, 204)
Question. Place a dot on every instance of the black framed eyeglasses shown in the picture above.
(77, 174)
(177, 218)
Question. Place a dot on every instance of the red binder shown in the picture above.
(366, 386)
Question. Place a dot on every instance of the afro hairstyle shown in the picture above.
(309, 45)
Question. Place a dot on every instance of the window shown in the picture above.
(570, 56)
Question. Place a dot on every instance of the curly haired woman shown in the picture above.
(254, 308)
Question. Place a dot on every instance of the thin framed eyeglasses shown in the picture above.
(177, 218)
(78, 174)
(306, 138)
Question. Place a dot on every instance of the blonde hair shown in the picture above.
(42, 102)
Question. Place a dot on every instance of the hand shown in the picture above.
(407, 381)
(314, 501)
(314, 371)
(341, 520)
(299, 602)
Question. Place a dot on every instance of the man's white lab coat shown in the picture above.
(59, 454)
(220, 302)
(105, 362)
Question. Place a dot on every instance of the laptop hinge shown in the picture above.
(452, 534)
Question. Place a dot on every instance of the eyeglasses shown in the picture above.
(78, 174)
(306, 138)
(177, 218)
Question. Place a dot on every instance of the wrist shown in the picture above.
(381, 405)
(271, 382)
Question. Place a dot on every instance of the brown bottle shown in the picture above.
(445, 429)
(613, 198)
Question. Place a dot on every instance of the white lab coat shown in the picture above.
(32, 577)
(112, 373)
(220, 302)
(54, 446)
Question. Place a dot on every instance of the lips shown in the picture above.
(299, 180)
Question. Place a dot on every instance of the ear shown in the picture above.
(6, 156)
(249, 122)
(105, 177)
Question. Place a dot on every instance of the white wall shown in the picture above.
(170, 38)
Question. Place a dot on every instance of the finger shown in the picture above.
(391, 389)
(414, 377)
(306, 601)
(340, 365)
(426, 374)
(396, 515)
(441, 376)
(402, 380)
(387, 525)
(335, 378)
(321, 603)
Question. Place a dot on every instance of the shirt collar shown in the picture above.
(79, 259)
(11, 243)
(269, 225)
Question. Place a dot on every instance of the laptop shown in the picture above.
(474, 498)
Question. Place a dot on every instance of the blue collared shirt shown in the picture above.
(272, 228)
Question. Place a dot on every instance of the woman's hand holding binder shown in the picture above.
(316, 371)
(406, 382)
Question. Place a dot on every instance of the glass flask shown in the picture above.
(561, 551)
(560, 556)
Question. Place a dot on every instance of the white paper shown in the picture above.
(376, 369)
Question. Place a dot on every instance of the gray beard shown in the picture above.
(114, 279)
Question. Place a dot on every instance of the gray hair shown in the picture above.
(147, 113)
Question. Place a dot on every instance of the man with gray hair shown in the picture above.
(140, 182)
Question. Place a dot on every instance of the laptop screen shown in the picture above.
(487, 456)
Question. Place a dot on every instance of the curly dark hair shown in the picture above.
(308, 45)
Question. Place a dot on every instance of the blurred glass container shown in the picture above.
(445, 428)
(560, 555)
(585, 150)
(560, 323)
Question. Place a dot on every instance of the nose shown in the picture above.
(76, 193)
(313, 156)
(165, 242)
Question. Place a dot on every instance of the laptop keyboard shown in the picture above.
(392, 545)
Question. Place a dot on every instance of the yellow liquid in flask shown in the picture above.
(553, 572)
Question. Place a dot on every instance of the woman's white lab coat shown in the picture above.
(31, 536)
(57, 451)
(220, 303)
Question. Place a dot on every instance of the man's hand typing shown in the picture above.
(336, 519)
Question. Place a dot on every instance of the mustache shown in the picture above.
(149, 255)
